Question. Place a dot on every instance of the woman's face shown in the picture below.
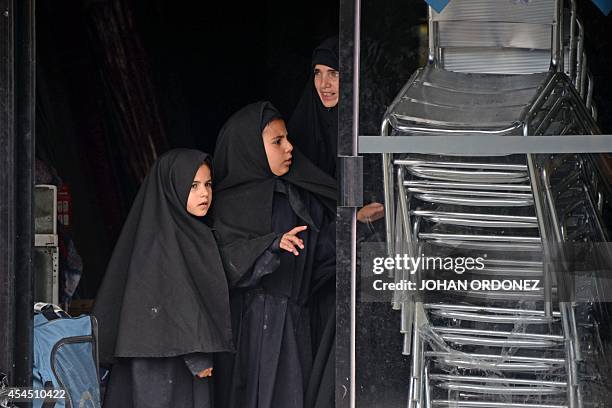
(327, 84)
(200, 195)
(278, 148)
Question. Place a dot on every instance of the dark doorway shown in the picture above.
(120, 82)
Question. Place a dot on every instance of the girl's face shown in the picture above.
(200, 195)
(327, 84)
(278, 148)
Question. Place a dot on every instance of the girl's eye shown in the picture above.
(194, 186)
(334, 74)
(277, 141)
(209, 184)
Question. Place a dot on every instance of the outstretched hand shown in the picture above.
(371, 212)
(289, 241)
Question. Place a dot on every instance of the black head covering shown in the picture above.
(314, 128)
(327, 53)
(165, 292)
(244, 188)
(268, 115)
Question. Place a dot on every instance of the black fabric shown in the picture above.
(156, 383)
(198, 362)
(268, 115)
(320, 390)
(271, 320)
(313, 128)
(244, 189)
(272, 365)
(327, 53)
(165, 292)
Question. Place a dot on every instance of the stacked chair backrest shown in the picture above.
(496, 36)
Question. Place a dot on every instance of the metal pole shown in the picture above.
(24, 186)
(354, 150)
(7, 208)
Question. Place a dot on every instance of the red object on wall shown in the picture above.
(64, 206)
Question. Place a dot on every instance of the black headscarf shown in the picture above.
(244, 188)
(165, 292)
(313, 127)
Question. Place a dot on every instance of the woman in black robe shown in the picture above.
(314, 124)
(314, 128)
(273, 212)
(163, 306)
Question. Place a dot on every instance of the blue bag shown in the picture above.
(65, 357)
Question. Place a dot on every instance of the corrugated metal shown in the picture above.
(520, 11)
(492, 34)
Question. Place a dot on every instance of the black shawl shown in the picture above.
(165, 292)
(244, 189)
(313, 128)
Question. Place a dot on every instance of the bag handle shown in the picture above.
(50, 311)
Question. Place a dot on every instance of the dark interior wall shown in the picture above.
(211, 58)
(70, 128)
(203, 60)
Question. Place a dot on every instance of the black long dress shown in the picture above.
(163, 306)
(314, 129)
(272, 288)
(274, 356)
(160, 383)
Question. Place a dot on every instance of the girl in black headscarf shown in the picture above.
(273, 211)
(163, 305)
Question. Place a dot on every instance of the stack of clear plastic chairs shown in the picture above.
(496, 68)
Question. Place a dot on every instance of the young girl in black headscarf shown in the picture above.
(273, 211)
(163, 306)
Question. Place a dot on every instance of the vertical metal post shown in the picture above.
(24, 188)
(7, 209)
(557, 41)
(433, 54)
(16, 189)
(536, 188)
(346, 221)
(387, 163)
(354, 150)
(573, 42)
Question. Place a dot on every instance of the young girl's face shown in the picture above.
(200, 195)
(278, 148)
